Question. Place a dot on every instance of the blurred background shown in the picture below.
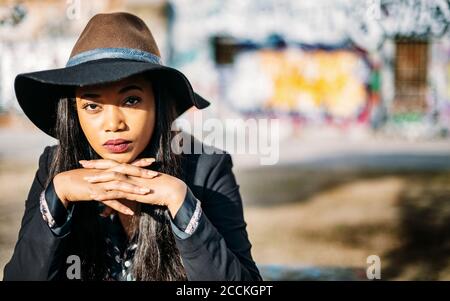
(362, 93)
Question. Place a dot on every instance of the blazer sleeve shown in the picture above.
(37, 253)
(219, 248)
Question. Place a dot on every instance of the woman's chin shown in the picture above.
(120, 158)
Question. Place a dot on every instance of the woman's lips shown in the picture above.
(117, 145)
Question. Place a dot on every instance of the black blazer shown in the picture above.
(219, 249)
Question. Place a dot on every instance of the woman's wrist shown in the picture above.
(178, 196)
(58, 184)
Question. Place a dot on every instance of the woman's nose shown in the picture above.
(114, 119)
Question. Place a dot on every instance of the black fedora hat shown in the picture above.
(111, 47)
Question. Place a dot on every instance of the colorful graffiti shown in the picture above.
(310, 83)
(316, 84)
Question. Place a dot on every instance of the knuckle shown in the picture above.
(117, 175)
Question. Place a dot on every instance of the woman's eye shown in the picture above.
(132, 101)
(90, 107)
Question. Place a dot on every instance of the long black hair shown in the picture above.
(156, 256)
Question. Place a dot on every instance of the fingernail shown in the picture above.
(150, 160)
(151, 173)
(144, 190)
(129, 212)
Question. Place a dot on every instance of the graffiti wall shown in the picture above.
(314, 85)
(439, 75)
(355, 81)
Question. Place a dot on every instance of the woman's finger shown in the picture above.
(136, 171)
(116, 194)
(99, 164)
(124, 169)
(107, 176)
(112, 195)
(143, 162)
(123, 186)
(107, 163)
(118, 206)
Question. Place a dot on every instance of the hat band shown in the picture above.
(113, 53)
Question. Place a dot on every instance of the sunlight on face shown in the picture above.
(117, 118)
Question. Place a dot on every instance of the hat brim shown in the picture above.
(38, 92)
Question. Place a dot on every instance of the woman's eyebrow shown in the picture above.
(130, 87)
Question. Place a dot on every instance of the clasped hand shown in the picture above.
(120, 186)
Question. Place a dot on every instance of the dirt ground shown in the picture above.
(404, 218)
(337, 220)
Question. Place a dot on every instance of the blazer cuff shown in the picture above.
(53, 211)
(186, 220)
(203, 234)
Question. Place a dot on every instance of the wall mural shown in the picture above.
(314, 84)
(336, 63)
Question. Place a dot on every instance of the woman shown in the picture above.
(113, 193)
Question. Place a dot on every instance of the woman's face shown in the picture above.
(117, 118)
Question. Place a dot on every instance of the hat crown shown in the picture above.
(115, 30)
